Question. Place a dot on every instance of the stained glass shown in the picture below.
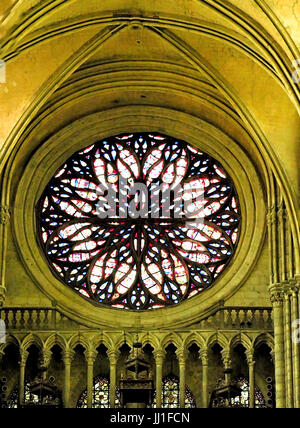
(170, 394)
(243, 399)
(119, 245)
(100, 395)
(13, 399)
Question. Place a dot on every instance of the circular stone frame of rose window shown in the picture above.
(84, 132)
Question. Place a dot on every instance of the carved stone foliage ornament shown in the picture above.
(4, 215)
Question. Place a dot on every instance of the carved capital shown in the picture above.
(90, 356)
(294, 286)
(250, 357)
(68, 357)
(287, 290)
(277, 295)
(23, 357)
(46, 358)
(4, 215)
(113, 356)
(226, 357)
(203, 355)
(182, 356)
(159, 356)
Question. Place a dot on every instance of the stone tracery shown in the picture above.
(150, 258)
(172, 62)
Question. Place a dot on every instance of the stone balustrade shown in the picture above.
(225, 318)
(239, 318)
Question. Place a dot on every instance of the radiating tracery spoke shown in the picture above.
(133, 261)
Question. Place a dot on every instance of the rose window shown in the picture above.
(139, 222)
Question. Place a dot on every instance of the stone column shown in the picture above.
(23, 360)
(277, 298)
(90, 356)
(113, 356)
(204, 358)
(67, 358)
(251, 365)
(296, 347)
(288, 349)
(182, 355)
(159, 361)
(4, 220)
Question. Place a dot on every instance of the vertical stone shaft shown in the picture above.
(251, 366)
(67, 358)
(181, 354)
(277, 300)
(252, 385)
(204, 359)
(23, 360)
(159, 360)
(90, 356)
(288, 351)
(113, 356)
(296, 348)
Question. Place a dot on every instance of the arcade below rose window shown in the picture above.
(139, 221)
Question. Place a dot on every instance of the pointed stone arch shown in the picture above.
(265, 338)
(30, 340)
(172, 339)
(75, 340)
(194, 338)
(220, 339)
(241, 339)
(55, 339)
